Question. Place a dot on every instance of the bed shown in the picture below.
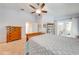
(49, 44)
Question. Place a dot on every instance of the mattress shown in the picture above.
(49, 44)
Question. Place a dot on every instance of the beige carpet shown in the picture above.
(13, 48)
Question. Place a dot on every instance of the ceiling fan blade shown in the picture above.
(44, 11)
(32, 6)
(22, 9)
(39, 14)
(38, 4)
(33, 12)
(42, 5)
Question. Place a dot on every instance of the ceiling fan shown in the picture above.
(38, 10)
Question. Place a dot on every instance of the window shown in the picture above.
(64, 28)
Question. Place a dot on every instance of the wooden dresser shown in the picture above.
(13, 33)
(32, 34)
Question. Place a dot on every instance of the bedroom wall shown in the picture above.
(11, 15)
(74, 30)
(47, 18)
(78, 24)
(75, 22)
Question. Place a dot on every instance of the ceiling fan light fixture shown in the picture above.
(38, 11)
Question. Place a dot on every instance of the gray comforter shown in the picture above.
(49, 44)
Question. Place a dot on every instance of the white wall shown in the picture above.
(74, 20)
(78, 24)
(10, 15)
(46, 18)
(74, 27)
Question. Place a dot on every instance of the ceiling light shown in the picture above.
(38, 11)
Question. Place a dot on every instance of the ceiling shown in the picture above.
(54, 9)
(61, 9)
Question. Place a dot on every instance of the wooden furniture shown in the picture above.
(13, 33)
(32, 34)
